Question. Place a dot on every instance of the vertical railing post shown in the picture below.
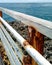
(36, 40)
(1, 13)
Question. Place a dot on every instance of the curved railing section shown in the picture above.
(43, 26)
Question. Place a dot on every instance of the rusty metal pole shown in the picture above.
(36, 40)
(1, 13)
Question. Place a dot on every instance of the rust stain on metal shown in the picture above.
(0, 16)
(31, 34)
(39, 44)
(25, 43)
(27, 60)
(36, 40)
(1, 13)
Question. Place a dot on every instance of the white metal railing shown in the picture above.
(32, 52)
(4, 40)
(44, 27)
(12, 43)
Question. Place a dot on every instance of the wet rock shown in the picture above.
(21, 28)
(50, 48)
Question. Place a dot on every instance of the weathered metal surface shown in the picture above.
(1, 13)
(7, 46)
(17, 50)
(36, 40)
(6, 49)
(32, 52)
(27, 60)
(1, 60)
(41, 25)
(13, 44)
(17, 35)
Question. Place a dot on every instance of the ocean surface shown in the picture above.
(41, 10)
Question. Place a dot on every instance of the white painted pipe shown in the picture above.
(17, 50)
(6, 49)
(32, 52)
(41, 25)
(14, 57)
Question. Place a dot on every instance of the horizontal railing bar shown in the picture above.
(12, 43)
(15, 58)
(32, 52)
(6, 49)
(41, 25)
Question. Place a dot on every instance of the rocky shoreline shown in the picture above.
(23, 30)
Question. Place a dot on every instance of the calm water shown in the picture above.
(43, 10)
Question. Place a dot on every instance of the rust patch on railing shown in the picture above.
(27, 60)
(0, 16)
(25, 43)
(1, 13)
(31, 34)
(36, 40)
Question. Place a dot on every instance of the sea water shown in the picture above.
(41, 10)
